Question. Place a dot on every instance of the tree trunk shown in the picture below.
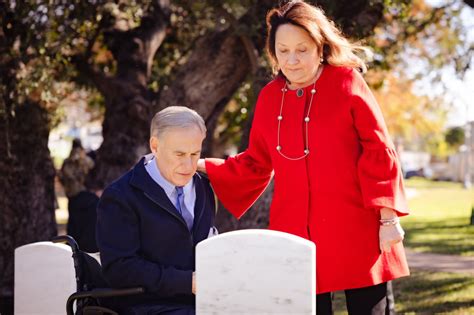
(124, 131)
(27, 186)
(127, 98)
(27, 199)
(257, 217)
(215, 69)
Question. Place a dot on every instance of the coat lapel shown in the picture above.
(143, 181)
(201, 199)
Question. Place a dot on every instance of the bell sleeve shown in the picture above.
(379, 170)
(240, 180)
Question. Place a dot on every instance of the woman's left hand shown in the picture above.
(390, 235)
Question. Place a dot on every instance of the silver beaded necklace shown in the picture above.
(306, 120)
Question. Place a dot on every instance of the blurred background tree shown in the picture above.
(455, 137)
(134, 58)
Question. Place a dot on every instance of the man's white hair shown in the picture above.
(176, 117)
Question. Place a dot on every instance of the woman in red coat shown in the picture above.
(319, 130)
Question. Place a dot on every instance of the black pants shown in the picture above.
(369, 300)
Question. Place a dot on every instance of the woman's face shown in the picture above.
(297, 54)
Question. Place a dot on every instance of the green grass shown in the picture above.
(440, 218)
(427, 292)
(434, 292)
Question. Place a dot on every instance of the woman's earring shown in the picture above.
(321, 60)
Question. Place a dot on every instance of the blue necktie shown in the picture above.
(180, 205)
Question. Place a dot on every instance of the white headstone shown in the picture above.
(44, 278)
(255, 272)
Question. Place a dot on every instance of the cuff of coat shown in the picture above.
(176, 282)
(399, 206)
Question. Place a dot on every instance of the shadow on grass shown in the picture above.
(443, 237)
(434, 292)
(426, 292)
(435, 226)
(445, 247)
(443, 307)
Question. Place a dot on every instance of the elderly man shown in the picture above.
(150, 219)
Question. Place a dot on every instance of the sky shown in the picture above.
(459, 91)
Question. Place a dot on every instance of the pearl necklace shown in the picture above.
(306, 122)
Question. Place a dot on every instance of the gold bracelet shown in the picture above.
(386, 222)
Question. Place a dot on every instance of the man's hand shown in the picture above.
(194, 283)
(389, 234)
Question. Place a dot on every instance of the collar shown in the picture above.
(141, 180)
(154, 172)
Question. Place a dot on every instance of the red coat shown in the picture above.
(333, 196)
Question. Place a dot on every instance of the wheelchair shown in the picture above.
(93, 296)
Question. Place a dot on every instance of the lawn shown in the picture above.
(427, 292)
(440, 218)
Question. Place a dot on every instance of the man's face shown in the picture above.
(177, 152)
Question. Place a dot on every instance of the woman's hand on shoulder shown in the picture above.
(201, 166)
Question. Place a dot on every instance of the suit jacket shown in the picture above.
(144, 241)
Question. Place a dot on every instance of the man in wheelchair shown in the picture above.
(150, 219)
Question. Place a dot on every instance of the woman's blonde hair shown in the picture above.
(335, 48)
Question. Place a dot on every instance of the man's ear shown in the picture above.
(153, 144)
